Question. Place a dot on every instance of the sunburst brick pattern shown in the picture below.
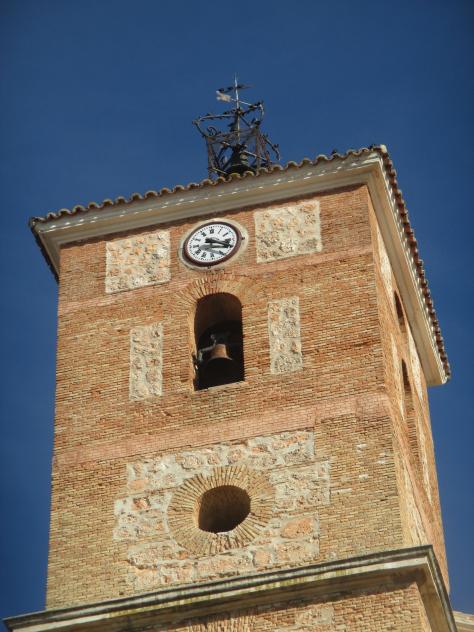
(159, 514)
(186, 504)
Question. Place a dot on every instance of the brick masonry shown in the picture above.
(397, 375)
(115, 432)
(385, 610)
(157, 516)
(413, 443)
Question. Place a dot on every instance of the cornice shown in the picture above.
(170, 605)
(366, 166)
(464, 621)
(58, 229)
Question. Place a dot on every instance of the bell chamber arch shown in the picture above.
(218, 337)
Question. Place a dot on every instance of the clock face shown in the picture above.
(212, 243)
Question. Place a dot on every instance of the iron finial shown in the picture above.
(235, 143)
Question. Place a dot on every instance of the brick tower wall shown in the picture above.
(382, 610)
(309, 434)
(413, 442)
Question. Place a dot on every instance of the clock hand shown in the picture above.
(213, 240)
(206, 247)
(212, 249)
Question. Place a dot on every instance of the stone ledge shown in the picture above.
(464, 621)
(316, 580)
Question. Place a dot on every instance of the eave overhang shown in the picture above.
(370, 166)
(385, 570)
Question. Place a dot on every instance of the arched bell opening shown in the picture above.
(219, 357)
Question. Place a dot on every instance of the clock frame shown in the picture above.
(187, 255)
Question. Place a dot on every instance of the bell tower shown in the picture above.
(243, 438)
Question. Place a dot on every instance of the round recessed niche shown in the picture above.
(223, 509)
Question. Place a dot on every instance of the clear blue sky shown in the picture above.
(97, 99)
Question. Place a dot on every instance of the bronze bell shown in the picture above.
(219, 367)
(219, 352)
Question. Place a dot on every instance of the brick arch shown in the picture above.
(185, 502)
(245, 288)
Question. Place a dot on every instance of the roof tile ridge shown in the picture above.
(412, 243)
(134, 197)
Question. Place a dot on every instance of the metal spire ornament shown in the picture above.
(235, 143)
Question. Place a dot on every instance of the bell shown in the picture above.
(238, 161)
(219, 368)
(219, 352)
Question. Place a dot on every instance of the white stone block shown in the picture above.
(146, 350)
(284, 335)
(385, 266)
(288, 231)
(137, 261)
(415, 365)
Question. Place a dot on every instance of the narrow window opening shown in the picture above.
(222, 508)
(400, 315)
(408, 396)
(219, 357)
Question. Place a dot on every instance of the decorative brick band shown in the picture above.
(184, 507)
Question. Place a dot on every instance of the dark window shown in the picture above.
(222, 508)
(407, 394)
(400, 315)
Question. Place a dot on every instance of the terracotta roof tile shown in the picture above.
(79, 208)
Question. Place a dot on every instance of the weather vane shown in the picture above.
(235, 143)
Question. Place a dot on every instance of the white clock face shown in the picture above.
(212, 243)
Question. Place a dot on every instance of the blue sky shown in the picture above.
(97, 99)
